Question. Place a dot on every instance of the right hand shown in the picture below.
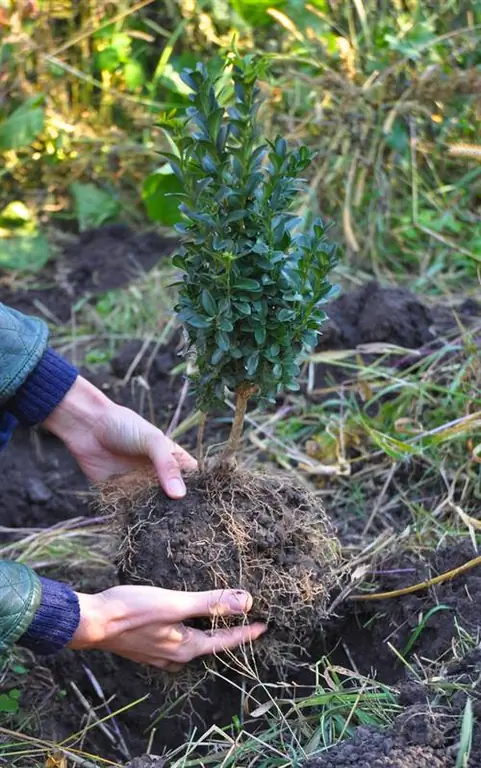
(146, 624)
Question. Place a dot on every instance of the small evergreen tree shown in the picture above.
(254, 283)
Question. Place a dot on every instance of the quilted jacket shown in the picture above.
(33, 380)
(23, 340)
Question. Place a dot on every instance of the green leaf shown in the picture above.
(16, 214)
(108, 60)
(123, 45)
(260, 334)
(8, 704)
(217, 356)
(222, 341)
(243, 307)
(247, 284)
(92, 205)
(225, 325)
(208, 303)
(235, 216)
(134, 74)
(23, 125)
(157, 194)
(26, 254)
(252, 363)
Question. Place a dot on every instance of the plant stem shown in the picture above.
(200, 441)
(233, 444)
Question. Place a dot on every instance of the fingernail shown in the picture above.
(240, 601)
(176, 488)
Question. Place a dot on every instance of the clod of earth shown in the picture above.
(261, 533)
(371, 748)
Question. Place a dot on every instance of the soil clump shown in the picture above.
(262, 533)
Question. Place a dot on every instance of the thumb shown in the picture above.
(167, 465)
(215, 602)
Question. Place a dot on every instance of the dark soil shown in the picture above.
(371, 748)
(100, 260)
(234, 529)
(422, 735)
(41, 483)
(373, 624)
(376, 314)
(391, 315)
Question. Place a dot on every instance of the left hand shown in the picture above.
(108, 439)
(146, 624)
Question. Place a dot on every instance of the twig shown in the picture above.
(91, 712)
(380, 499)
(200, 441)
(447, 576)
(180, 404)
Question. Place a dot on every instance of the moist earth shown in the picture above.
(99, 260)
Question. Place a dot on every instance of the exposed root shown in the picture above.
(233, 530)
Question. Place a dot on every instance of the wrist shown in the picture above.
(81, 408)
(93, 625)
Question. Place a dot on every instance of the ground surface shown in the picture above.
(41, 487)
(99, 260)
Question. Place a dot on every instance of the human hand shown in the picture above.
(108, 439)
(145, 624)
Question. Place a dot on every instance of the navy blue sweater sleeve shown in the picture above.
(58, 615)
(55, 620)
(43, 389)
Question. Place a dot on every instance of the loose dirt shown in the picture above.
(374, 314)
(427, 732)
(41, 483)
(100, 260)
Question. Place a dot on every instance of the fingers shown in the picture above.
(183, 458)
(167, 467)
(206, 643)
(215, 602)
(169, 460)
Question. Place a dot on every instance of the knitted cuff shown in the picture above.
(43, 389)
(55, 621)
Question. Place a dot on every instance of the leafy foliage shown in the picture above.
(93, 206)
(254, 285)
(24, 253)
(23, 125)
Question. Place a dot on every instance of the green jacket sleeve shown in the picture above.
(20, 596)
(23, 340)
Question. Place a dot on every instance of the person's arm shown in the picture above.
(33, 378)
(141, 623)
(144, 624)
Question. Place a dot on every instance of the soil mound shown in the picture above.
(388, 315)
(376, 314)
(235, 529)
(370, 748)
(101, 260)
